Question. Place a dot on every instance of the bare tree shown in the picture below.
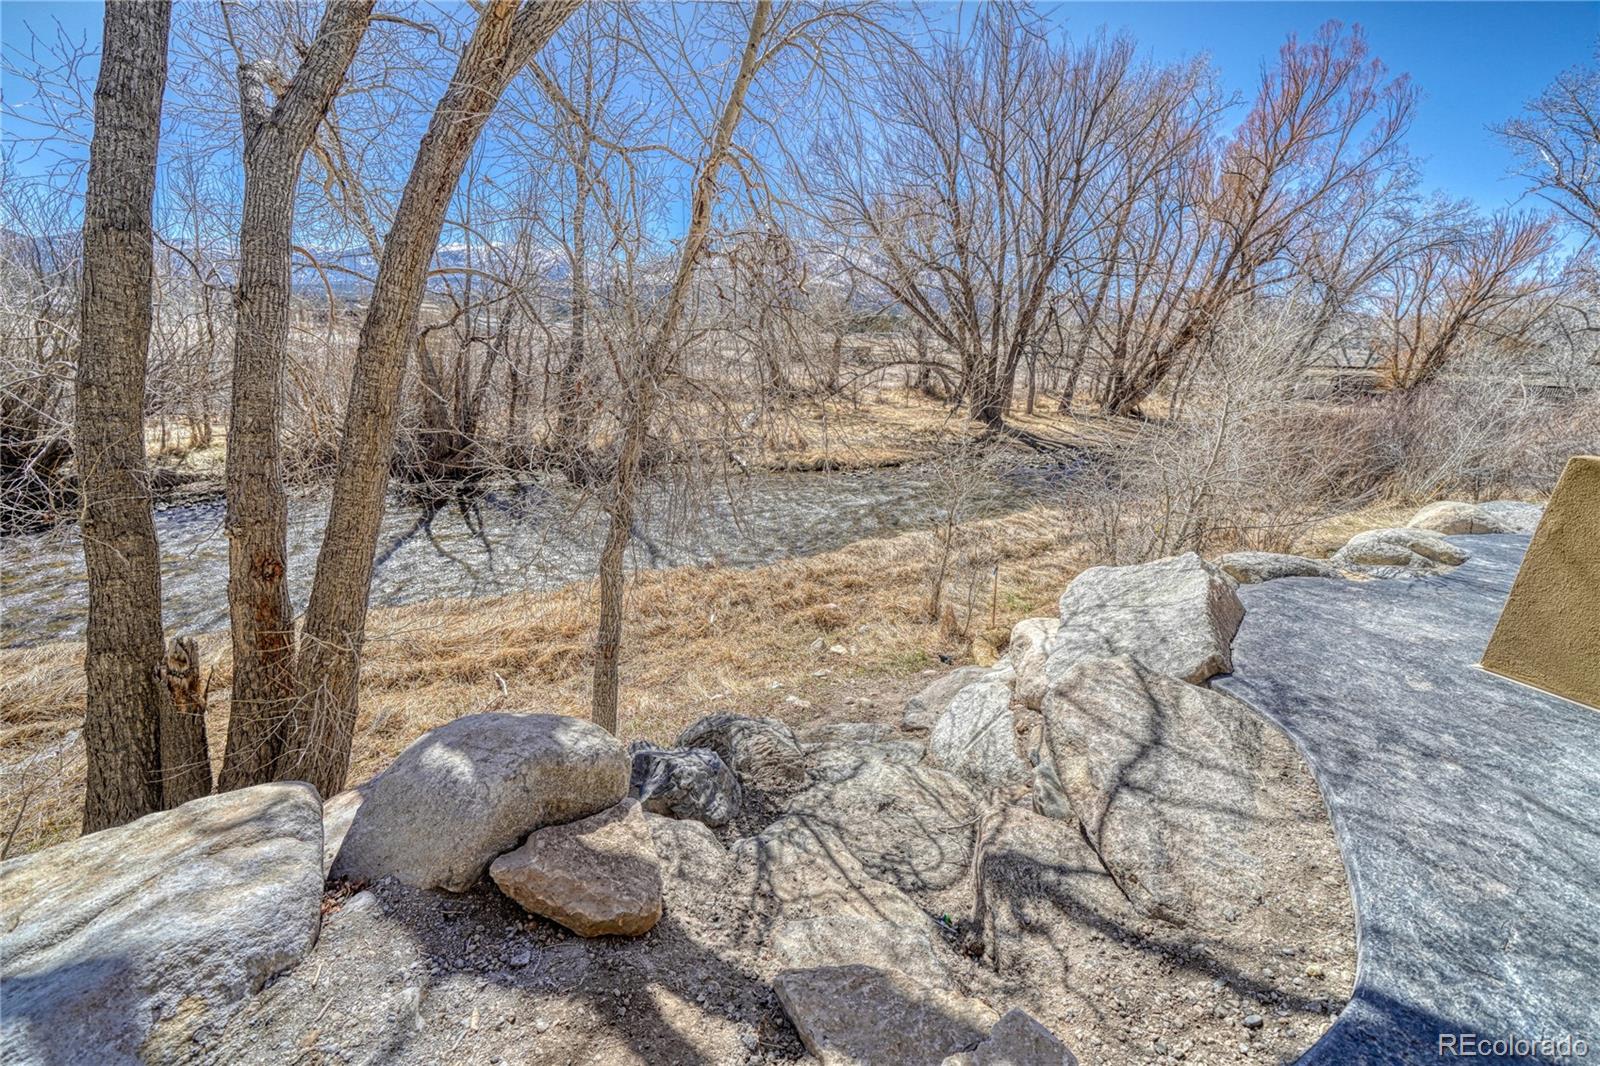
(654, 361)
(142, 754)
(975, 193)
(275, 140)
(1557, 140)
(1460, 284)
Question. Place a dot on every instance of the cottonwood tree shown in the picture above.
(652, 362)
(1324, 117)
(1557, 142)
(142, 753)
(798, 50)
(277, 132)
(319, 730)
(1454, 288)
(974, 191)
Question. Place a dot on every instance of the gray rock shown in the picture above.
(836, 761)
(763, 752)
(1027, 652)
(599, 876)
(337, 814)
(1164, 777)
(834, 939)
(1455, 518)
(924, 709)
(1016, 1040)
(136, 944)
(1049, 798)
(908, 824)
(867, 1016)
(1175, 616)
(473, 789)
(825, 909)
(1516, 515)
(694, 864)
(1252, 568)
(976, 737)
(684, 783)
(1040, 889)
(1399, 547)
(849, 733)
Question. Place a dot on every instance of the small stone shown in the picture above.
(1253, 1021)
(597, 876)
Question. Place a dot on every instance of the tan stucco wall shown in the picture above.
(1548, 635)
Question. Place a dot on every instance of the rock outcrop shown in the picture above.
(1454, 518)
(1174, 616)
(598, 876)
(909, 824)
(684, 783)
(924, 709)
(1164, 777)
(1252, 568)
(870, 1016)
(471, 790)
(763, 752)
(976, 737)
(1399, 547)
(824, 908)
(1037, 881)
(1027, 652)
(136, 944)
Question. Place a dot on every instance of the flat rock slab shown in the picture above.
(598, 877)
(1467, 806)
(865, 1016)
(136, 944)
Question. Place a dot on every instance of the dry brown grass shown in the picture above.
(698, 640)
(893, 426)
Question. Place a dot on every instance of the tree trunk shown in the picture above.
(259, 607)
(565, 444)
(142, 755)
(317, 747)
(654, 363)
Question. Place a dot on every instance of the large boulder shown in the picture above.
(924, 709)
(870, 1016)
(1165, 779)
(909, 824)
(1027, 652)
(763, 752)
(1517, 516)
(684, 783)
(1399, 547)
(1041, 893)
(1252, 568)
(473, 789)
(976, 737)
(598, 876)
(1016, 1040)
(1175, 616)
(815, 905)
(1454, 518)
(136, 944)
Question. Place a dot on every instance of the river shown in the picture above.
(515, 539)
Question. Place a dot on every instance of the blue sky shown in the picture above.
(1476, 63)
